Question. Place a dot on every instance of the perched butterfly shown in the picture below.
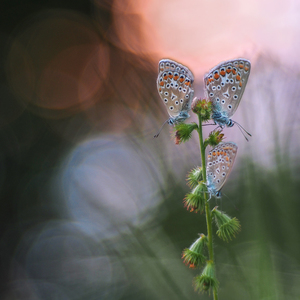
(219, 164)
(225, 85)
(175, 87)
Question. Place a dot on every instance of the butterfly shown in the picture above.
(175, 87)
(225, 85)
(219, 164)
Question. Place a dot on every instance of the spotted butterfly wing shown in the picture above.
(175, 87)
(219, 164)
(225, 85)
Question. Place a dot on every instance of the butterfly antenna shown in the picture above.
(208, 124)
(161, 128)
(241, 128)
(231, 201)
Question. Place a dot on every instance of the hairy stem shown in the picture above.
(207, 208)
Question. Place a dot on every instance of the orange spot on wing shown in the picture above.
(233, 72)
(187, 83)
(223, 73)
(208, 156)
(216, 76)
(238, 77)
(166, 77)
(228, 71)
(246, 68)
(159, 89)
(214, 153)
(181, 80)
(211, 79)
(227, 158)
(176, 77)
(161, 83)
(240, 84)
(218, 153)
(241, 66)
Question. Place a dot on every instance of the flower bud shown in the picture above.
(203, 108)
(193, 256)
(207, 280)
(228, 227)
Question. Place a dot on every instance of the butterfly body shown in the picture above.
(175, 87)
(225, 85)
(219, 164)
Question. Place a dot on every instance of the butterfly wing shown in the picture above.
(175, 86)
(219, 164)
(225, 84)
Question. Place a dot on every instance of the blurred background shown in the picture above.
(91, 204)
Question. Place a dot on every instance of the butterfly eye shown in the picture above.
(166, 94)
(168, 86)
(218, 99)
(229, 106)
(181, 100)
(233, 88)
(187, 96)
(213, 88)
(176, 102)
(171, 107)
(235, 97)
(184, 90)
(222, 84)
(215, 176)
(231, 80)
(167, 64)
(165, 100)
(209, 163)
(177, 69)
(180, 89)
(211, 94)
(223, 174)
(172, 66)
(222, 101)
(218, 87)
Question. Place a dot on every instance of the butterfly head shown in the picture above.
(212, 189)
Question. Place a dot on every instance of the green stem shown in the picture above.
(207, 208)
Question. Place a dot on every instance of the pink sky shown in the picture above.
(204, 32)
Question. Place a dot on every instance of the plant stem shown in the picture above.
(207, 208)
